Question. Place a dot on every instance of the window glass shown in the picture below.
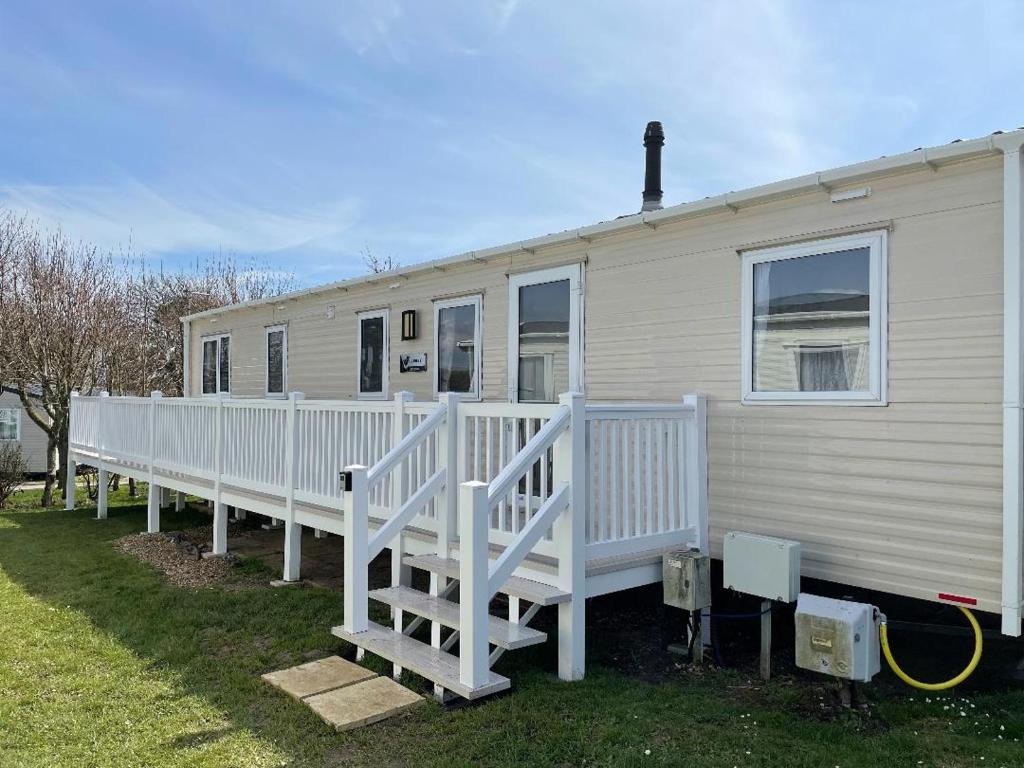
(210, 367)
(275, 362)
(8, 424)
(456, 349)
(371, 355)
(224, 372)
(543, 341)
(811, 323)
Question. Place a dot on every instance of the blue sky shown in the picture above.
(302, 132)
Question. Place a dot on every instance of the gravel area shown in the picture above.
(177, 555)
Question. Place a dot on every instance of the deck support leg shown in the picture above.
(401, 575)
(239, 513)
(437, 584)
(179, 501)
(766, 639)
(102, 478)
(220, 528)
(165, 497)
(319, 533)
(69, 484)
(153, 509)
(292, 551)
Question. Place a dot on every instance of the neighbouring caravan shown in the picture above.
(17, 426)
(856, 333)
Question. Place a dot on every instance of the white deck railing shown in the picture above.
(645, 464)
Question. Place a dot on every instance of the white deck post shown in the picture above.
(695, 486)
(102, 476)
(179, 501)
(696, 469)
(474, 565)
(220, 509)
(400, 574)
(570, 465)
(292, 530)
(71, 473)
(356, 527)
(447, 507)
(153, 499)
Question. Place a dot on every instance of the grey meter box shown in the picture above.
(686, 578)
(837, 637)
(761, 565)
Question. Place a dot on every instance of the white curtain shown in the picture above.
(828, 369)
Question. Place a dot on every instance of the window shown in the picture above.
(10, 423)
(372, 346)
(216, 364)
(277, 360)
(457, 346)
(814, 322)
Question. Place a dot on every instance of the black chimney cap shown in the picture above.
(654, 134)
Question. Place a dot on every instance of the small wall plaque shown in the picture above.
(412, 362)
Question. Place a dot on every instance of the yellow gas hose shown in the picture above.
(884, 635)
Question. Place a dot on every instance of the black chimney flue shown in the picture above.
(654, 140)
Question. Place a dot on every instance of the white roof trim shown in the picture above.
(930, 157)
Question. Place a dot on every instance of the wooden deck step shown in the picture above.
(516, 586)
(502, 633)
(432, 663)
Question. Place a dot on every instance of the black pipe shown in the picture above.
(654, 140)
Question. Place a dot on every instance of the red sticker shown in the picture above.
(958, 598)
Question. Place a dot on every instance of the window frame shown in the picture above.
(476, 301)
(370, 314)
(216, 337)
(878, 301)
(283, 394)
(17, 423)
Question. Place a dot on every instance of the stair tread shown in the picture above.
(500, 632)
(429, 662)
(516, 586)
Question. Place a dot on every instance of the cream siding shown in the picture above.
(33, 439)
(904, 498)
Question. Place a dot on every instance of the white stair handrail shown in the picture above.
(479, 580)
(525, 459)
(408, 511)
(528, 537)
(409, 443)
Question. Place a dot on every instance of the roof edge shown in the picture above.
(929, 157)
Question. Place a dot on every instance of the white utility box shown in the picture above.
(761, 566)
(686, 579)
(837, 637)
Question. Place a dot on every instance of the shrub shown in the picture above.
(12, 469)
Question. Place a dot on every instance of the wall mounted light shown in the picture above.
(408, 325)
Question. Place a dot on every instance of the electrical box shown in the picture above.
(761, 566)
(837, 637)
(686, 577)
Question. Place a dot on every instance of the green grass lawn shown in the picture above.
(103, 664)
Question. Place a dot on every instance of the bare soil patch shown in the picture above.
(178, 555)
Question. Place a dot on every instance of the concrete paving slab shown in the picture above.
(363, 703)
(318, 676)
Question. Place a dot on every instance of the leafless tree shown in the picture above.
(61, 317)
(377, 264)
(73, 318)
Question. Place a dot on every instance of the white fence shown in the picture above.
(645, 464)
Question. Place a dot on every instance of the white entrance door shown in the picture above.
(545, 334)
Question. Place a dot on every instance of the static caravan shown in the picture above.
(854, 336)
(16, 426)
